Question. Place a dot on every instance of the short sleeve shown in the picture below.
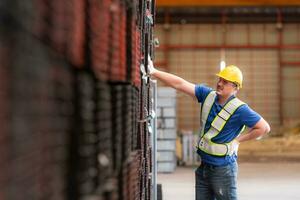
(248, 116)
(201, 92)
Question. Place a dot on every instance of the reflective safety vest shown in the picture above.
(205, 142)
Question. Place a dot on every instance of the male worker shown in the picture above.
(223, 118)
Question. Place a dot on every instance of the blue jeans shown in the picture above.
(216, 182)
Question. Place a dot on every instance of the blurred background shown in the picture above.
(80, 119)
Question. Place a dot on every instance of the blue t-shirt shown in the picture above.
(244, 115)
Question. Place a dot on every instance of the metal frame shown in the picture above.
(153, 85)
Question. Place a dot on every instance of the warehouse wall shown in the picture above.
(191, 51)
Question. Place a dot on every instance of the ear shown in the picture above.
(236, 89)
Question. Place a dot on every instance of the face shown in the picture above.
(225, 88)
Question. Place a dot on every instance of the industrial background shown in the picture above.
(77, 106)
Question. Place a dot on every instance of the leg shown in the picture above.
(224, 182)
(203, 189)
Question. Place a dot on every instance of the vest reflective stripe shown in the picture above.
(206, 107)
(205, 143)
(209, 147)
(222, 117)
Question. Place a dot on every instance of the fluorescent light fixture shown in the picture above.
(222, 58)
(222, 65)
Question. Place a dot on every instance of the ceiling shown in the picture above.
(229, 11)
(189, 3)
(249, 14)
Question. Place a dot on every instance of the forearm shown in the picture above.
(252, 134)
(167, 78)
(260, 128)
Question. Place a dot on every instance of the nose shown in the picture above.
(220, 82)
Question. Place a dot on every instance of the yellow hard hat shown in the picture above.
(233, 74)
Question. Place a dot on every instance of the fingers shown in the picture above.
(150, 65)
(150, 62)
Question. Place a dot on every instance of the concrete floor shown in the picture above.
(259, 181)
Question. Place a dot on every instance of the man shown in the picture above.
(223, 118)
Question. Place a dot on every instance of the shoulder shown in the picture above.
(245, 108)
(201, 92)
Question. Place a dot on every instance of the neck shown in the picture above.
(223, 99)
